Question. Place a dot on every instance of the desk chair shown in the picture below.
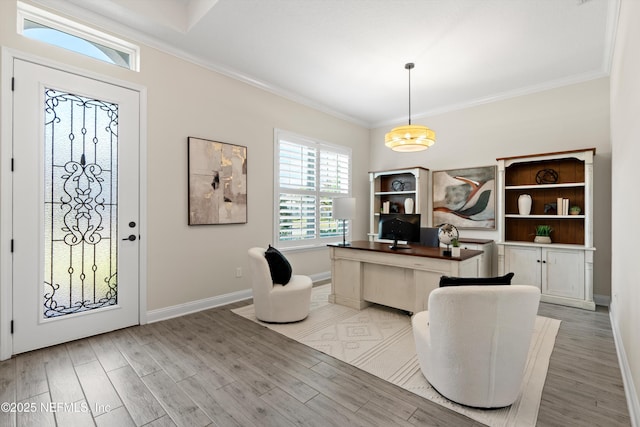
(429, 237)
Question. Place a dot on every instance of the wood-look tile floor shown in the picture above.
(216, 368)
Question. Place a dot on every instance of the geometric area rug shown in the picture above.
(379, 340)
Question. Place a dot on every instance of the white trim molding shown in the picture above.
(604, 300)
(195, 306)
(6, 200)
(212, 302)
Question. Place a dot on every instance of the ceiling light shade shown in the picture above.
(410, 138)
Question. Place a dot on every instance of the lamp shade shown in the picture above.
(344, 208)
(410, 138)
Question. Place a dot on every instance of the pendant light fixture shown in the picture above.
(410, 138)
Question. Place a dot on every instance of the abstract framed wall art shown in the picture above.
(465, 198)
(217, 182)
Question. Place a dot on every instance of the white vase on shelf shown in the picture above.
(408, 205)
(524, 204)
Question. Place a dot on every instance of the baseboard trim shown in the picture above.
(627, 379)
(195, 306)
(320, 277)
(217, 301)
(604, 300)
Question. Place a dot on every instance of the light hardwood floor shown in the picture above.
(216, 368)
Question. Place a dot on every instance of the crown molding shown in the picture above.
(109, 25)
(529, 90)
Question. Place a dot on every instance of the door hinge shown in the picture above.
(13, 83)
(12, 326)
(12, 163)
(12, 245)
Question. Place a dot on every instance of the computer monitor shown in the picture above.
(399, 227)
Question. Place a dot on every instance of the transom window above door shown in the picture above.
(55, 30)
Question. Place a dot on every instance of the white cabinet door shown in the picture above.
(525, 263)
(563, 273)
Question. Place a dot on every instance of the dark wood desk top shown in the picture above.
(414, 250)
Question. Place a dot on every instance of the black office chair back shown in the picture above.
(429, 236)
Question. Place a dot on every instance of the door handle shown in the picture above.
(131, 237)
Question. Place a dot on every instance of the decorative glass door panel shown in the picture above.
(76, 143)
(80, 203)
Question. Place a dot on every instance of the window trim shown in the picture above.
(318, 242)
(91, 35)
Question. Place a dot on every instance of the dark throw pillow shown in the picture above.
(475, 281)
(278, 265)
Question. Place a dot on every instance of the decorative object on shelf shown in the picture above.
(408, 205)
(344, 208)
(394, 208)
(575, 210)
(217, 176)
(466, 197)
(547, 176)
(447, 233)
(524, 204)
(410, 138)
(550, 208)
(455, 248)
(543, 234)
(563, 206)
(397, 185)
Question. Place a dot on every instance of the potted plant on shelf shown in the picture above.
(543, 234)
(455, 250)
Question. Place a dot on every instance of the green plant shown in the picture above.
(455, 243)
(543, 230)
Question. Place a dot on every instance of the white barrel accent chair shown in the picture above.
(474, 341)
(273, 302)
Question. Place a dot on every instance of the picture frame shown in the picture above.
(465, 197)
(217, 182)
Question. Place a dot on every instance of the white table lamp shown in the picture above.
(344, 208)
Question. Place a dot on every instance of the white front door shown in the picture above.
(75, 206)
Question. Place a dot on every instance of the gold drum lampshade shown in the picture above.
(410, 138)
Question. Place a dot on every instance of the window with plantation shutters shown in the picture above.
(308, 175)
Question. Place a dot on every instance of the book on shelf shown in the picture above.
(562, 206)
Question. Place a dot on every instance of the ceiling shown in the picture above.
(347, 57)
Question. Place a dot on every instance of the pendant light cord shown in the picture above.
(409, 66)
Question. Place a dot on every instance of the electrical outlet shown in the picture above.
(238, 272)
